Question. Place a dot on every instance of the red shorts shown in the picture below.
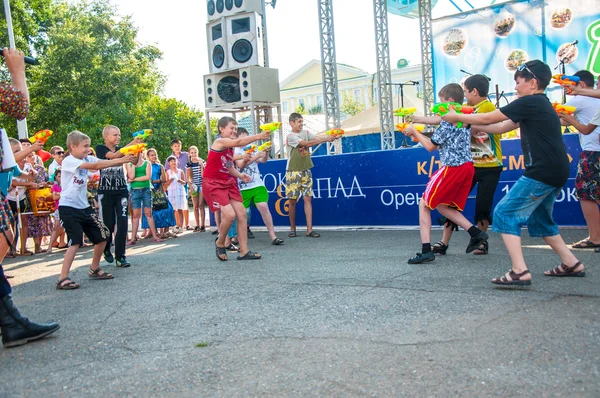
(449, 186)
(218, 193)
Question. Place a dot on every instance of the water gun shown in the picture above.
(560, 108)
(403, 112)
(250, 148)
(134, 149)
(266, 147)
(418, 127)
(41, 135)
(270, 127)
(142, 134)
(442, 108)
(338, 132)
(565, 81)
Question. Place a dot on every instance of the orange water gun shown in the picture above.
(250, 148)
(41, 135)
(560, 108)
(419, 127)
(338, 132)
(134, 149)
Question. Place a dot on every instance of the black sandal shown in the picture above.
(439, 248)
(565, 270)
(220, 251)
(277, 242)
(515, 279)
(95, 274)
(250, 256)
(483, 249)
(232, 248)
(67, 286)
(313, 234)
(292, 234)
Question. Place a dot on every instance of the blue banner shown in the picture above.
(384, 187)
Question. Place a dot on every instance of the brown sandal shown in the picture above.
(515, 279)
(99, 273)
(565, 270)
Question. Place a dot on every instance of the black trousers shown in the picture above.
(4, 285)
(114, 211)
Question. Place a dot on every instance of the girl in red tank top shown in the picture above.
(220, 188)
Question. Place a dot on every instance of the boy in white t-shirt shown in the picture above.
(76, 215)
(587, 182)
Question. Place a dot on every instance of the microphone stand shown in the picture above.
(401, 101)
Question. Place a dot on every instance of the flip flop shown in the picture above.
(292, 234)
(220, 251)
(277, 242)
(250, 256)
(313, 234)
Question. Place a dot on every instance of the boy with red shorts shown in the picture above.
(449, 187)
(220, 186)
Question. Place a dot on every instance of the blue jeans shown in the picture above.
(141, 197)
(528, 202)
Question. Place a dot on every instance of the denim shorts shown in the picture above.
(141, 197)
(528, 202)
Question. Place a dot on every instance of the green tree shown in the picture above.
(316, 110)
(350, 106)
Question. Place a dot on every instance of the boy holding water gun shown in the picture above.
(447, 189)
(532, 197)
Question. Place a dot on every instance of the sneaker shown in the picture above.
(108, 257)
(122, 262)
(422, 258)
(477, 240)
(250, 234)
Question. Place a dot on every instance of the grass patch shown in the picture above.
(202, 345)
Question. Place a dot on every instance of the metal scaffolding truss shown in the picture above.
(384, 75)
(329, 72)
(426, 55)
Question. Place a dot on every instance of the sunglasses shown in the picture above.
(524, 67)
(59, 153)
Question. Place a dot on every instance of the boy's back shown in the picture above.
(454, 144)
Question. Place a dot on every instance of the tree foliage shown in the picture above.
(351, 106)
(94, 72)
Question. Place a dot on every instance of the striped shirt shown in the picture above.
(196, 172)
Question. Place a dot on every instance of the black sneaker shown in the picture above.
(108, 257)
(477, 240)
(250, 234)
(422, 258)
(122, 262)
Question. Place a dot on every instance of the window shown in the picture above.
(302, 103)
(320, 100)
(358, 95)
(284, 107)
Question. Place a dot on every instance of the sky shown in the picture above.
(178, 29)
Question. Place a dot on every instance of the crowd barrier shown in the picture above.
(383, 188)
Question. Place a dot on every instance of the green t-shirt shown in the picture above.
(488, 152)
(140, 172)
(298, 156)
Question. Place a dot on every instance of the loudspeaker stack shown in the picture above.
(235, 54)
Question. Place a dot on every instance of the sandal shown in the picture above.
(158, 240)
(515, 279)
(439, 248)
(203, 229)
(99, 273)
(232, 248)
(250, 256)
(221, 251)
(313, 234)
(277, 242)
(11, 254)
(585, 244)
(483, 249)
(292, 234)
(196, 229)
(565, 270)
(70, 285)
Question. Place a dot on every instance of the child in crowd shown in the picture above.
(183, 158)
(176, 191)
(532, 198)
(195, 169)
(58, 154)
(76, 215)
(40, 225)
(449, 187)
(298, 176)
(138, 175)
(254, 192)
(222, 192)
(57, 229)
(164, 218)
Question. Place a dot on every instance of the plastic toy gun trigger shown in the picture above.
(41, 135)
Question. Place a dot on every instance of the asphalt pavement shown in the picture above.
(339, 316)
